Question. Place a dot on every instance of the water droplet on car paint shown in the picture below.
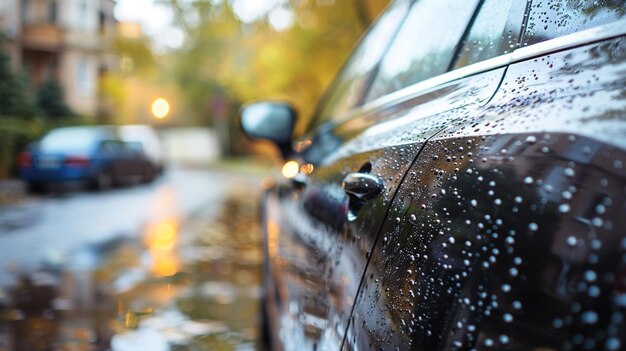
(597, 222)
(593, 291)
(589, 317)
(564, 208)
(569, 172)
(528, 180)
(533, 227)
(590, 276)
(513, 272)
(596, 244)
(612, 344)
(571, 240)
(474, 203)
(557, 323)
(507, 317)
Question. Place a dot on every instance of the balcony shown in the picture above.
(91, 41)
(53, 38)
(44, 37)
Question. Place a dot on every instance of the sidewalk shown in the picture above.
(12, 191)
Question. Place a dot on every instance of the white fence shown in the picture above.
(190, 146)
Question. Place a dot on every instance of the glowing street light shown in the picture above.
(290, 169)
(160, 108)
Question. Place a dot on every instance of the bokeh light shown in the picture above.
(290, 169)
(160, 108)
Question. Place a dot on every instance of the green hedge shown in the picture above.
(15, 134)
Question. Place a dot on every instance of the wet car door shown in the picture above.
(305, 217)
(511, 236)
(322, 227)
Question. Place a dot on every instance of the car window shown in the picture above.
(351, 84)
(495, 31)
(424, 46)
(69, 139)
(111, 146)
(549, 19)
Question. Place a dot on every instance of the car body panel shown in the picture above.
(511, 233)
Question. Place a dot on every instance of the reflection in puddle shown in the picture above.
(161, 239)
(185, 285)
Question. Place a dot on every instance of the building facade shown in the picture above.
(62, 40)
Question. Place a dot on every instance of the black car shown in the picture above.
(461, 186)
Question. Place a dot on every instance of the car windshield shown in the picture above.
(69, 139)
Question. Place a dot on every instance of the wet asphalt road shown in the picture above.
(171, 265)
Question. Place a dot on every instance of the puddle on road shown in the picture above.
(186, 286)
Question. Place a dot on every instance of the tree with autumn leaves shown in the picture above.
(226, 58)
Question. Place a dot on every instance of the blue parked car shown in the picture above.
(94, 155)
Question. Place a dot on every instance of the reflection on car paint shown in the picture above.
(505, 238)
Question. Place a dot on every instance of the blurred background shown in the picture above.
(105, 62)
(165, 256)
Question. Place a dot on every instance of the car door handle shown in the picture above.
(363, 186)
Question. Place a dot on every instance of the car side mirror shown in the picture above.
(273, 121)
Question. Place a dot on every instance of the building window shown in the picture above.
(102, 19)
(25, 11)
(53, 12)
(83, 77)
(82, 13)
